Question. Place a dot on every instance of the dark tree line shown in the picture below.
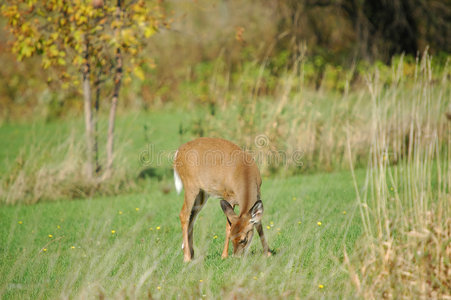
(369, 29)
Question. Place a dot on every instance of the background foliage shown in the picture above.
(340, 41)
(361, 90)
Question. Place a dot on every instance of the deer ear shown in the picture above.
(228, 211)
(256, 212)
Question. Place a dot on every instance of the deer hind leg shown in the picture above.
(263, 239)
(185, 213)
(199, 203)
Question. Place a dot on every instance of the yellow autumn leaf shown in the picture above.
(149, 31)
(139, 73)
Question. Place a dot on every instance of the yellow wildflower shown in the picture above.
(137, 209)
(113, 231)
(320, 286)
(158, 227)
(50, 236)
(215, 237)
(268, 227)
(319, 223)
(20, 222)
(45, 249)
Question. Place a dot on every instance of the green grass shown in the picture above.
(43, 161)
(135, 260)
(138, 258)
(38, 137)
(403, 194)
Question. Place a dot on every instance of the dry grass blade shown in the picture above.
(405, 252)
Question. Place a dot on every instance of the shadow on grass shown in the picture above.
(157, 173)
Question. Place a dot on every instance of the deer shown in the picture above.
(214, 167)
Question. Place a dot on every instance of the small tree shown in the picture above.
(86, 39)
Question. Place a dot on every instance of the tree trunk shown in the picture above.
(112, 117)
(95, 125)
(110, 138)
(88, 113)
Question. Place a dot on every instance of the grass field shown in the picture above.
(129, 245)
(143, 255)
(379, 228)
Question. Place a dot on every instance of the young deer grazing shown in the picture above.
(216, 167)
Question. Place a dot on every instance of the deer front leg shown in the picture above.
(225, 252)
(263, 239)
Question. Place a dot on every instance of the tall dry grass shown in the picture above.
(47, 171)
(405, 203)
(297, 130)
(319, 124)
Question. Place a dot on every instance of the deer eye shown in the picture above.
(244, 240)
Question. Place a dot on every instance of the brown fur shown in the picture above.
(217, 167)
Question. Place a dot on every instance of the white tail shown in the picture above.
(177, 181)
(211, 166)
